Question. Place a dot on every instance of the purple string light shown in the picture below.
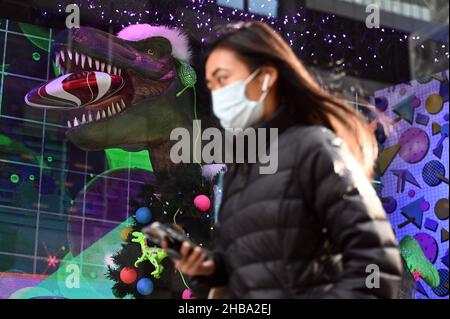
(206, 13)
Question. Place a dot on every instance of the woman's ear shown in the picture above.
(268, 70)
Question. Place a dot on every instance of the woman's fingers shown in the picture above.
(184, 254)
(207, 267)
(190, 262)
(196, 264)
(208, 264)
(185, 250)
(164, 244)
(192, 259)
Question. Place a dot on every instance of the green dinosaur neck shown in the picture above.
(143, 244)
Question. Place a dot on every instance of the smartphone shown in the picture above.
(157, 233)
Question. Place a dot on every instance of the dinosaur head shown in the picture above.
(137, 237)
(118, 91)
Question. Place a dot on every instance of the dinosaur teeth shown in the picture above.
(97, 118)
(103, 114)
(57, 57)
(122, 103)
(118, 109)
(85, 119)
(109, 111)
(84, 62)
(113, 110)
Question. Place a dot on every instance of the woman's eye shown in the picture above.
(150, 51)
(221, 80)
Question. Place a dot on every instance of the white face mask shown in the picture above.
(234, 109)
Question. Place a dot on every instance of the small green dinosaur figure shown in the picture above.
(152, 254)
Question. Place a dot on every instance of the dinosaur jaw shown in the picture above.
(73, 61)
(98, 100)
(133, 89)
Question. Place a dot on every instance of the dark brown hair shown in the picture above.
(257, 44)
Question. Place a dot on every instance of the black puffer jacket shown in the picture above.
(308, 231)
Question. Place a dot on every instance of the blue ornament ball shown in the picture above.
(143, 215)
(144, 286)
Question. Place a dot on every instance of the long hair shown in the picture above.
(256, 44)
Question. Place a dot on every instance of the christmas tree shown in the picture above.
(171, 200)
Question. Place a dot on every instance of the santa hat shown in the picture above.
(178, 39)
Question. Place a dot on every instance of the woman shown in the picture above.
(315, 228)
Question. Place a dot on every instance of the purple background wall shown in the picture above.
(410, 187)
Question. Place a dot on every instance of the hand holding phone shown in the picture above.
(166, 233)
(194, 261)
(188, 258)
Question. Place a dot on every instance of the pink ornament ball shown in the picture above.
(187, 294)
(202, 203)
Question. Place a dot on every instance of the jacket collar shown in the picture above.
(279, 119)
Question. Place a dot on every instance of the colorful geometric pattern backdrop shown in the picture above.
(414, 165)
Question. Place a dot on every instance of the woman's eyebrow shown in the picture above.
(218, 70)
(215, 73)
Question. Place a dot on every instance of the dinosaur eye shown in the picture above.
(150, 51)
